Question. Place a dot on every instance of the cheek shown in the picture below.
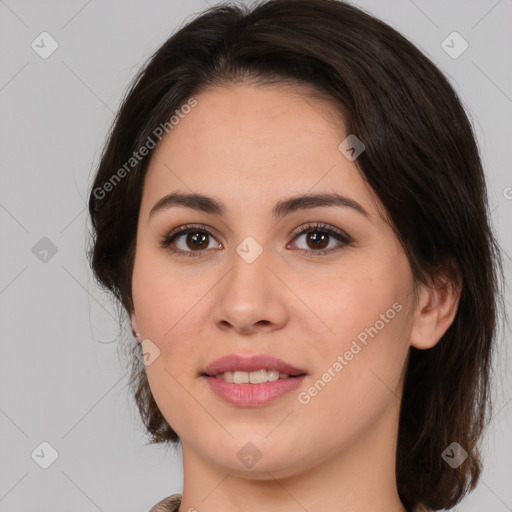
(170, 312)
(360, 359)
(358, 384)
(341, 301)
(161, 295)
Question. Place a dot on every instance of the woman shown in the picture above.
(292, 211)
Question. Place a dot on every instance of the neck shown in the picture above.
(357, 477)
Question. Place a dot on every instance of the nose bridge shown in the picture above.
(250, 272)
(251, 252)
(249, 294)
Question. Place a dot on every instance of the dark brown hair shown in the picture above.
(421, 159)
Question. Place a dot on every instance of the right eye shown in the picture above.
(196, 236)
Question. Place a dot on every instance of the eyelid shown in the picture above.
(303, 229)
(320, 226)
(169, 238)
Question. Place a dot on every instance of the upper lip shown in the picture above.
(233, 362)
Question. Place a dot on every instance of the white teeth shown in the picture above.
(241, 378)
(273, 375)
(228, 376)
(256, 377)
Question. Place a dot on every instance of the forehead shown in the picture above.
(250, 142)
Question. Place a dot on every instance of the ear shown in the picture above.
(135, 325)
(435, 312)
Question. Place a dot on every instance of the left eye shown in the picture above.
(196, 237)
(318, 236)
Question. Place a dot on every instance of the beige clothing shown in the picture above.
(169, 504)
(172, 504)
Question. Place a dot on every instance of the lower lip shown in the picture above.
(253, 395)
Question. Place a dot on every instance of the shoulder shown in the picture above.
(169, 504)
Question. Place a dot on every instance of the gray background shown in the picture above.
(61, 378)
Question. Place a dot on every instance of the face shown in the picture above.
(325, 288)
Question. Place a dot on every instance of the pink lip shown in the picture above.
(233, 362)
(251, 395)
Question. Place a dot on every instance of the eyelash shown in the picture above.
(305, 229)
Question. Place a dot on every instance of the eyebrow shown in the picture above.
(207, 204)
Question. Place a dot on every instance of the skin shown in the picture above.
(251, 146)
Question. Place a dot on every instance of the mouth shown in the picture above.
(255, 369)
(255, 377)
(251, 381)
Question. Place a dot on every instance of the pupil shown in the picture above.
(194, 238)
(322, 238)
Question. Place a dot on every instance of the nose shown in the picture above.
(251, 298)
